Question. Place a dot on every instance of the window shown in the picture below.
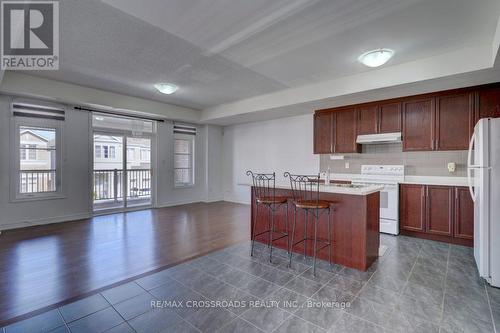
(112, 152)
(183, 160)
(145, 155)
(105, 150)
(97, 151)
(130, 154)
(28, 152)
(37, 164)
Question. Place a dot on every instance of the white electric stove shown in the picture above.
(389, 176)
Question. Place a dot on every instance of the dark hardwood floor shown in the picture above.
(44, 266)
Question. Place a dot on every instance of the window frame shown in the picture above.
(192, 139)
(15, 154)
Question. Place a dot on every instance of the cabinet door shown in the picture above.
(439, 212)
(464, 214)
(454, 121)
(390, 118)
(368, 119)
(488, 103)
(418, 125)
(412, 207)
(323, 139)
(345, 129)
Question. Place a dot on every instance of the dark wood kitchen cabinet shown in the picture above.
(335, 132)
(439, 210)
(464, 214)
(323, 133)
(418, 124)
(345, 131)
(379, 118)
(368, 119)
(454, 121)
(412, 208)
(488, 103)
(436, 121)
(442, 213)
(390, 117)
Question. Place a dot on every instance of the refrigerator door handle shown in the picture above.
(470, 166)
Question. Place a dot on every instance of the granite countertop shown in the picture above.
(332, 188)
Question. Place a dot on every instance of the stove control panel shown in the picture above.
(386, 170)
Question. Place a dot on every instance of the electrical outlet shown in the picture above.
(452, 166)
(347, 165)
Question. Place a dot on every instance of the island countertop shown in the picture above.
(354, 219)
(335, 188)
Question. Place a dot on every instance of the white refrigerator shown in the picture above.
(483, 174)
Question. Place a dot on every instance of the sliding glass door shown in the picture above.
(138, 171)
(123, 168)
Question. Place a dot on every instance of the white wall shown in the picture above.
(214, 158)
(279, 145)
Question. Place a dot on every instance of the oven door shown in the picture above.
(389, 203)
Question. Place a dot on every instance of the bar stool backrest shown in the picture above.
(264, 184)
(304, 187)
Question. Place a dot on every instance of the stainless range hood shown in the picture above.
(368, 139)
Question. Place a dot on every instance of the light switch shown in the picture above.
(452, 166)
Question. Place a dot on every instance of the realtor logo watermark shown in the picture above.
(30, 35)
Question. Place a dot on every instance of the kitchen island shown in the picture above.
(354, 218)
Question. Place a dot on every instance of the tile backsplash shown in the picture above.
(432, 163)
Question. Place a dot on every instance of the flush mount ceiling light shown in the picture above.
(166, 88)
(376, 58)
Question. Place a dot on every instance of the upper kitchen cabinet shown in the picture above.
(368, 119)
(323, 133)
(454, 121)
(345, 131)
(436, 121)
(389, 118)
(379, 118)
(488, 103)
(418, 124)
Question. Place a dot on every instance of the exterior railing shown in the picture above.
(108, 184)
(37, 181)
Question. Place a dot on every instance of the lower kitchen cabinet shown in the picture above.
(439, 212)
(412, 208)
(442, 213)
(464, 214)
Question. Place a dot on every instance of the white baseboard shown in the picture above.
(238, 201)
(177, 203)
(48, 220)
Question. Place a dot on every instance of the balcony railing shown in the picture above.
(108, 184)
(37, 181)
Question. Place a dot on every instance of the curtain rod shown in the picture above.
(119, 114)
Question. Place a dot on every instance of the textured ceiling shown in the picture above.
(219, 51)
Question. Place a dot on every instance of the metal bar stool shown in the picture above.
(305, 191)
(264, 187)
